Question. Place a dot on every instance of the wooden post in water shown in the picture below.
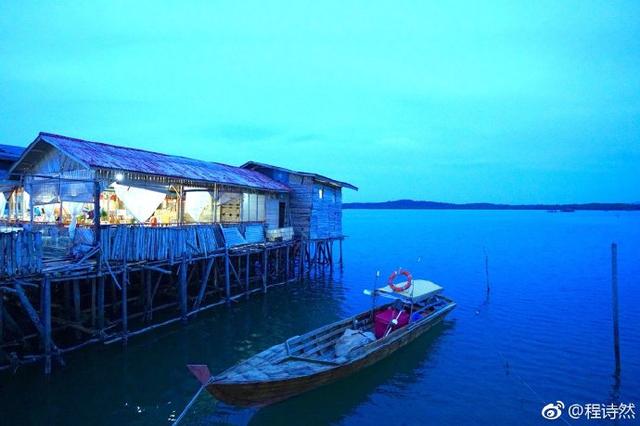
(46, 322)
(614, 302)
(183, 289)
(124, 307)
(265, 269)
(93, 302)
(227, 278)
(288, 264)
(96, 212)
(1, 317)
(341, 264)
(100, 304)
(246, 274)
(486, 271)
(77, 314)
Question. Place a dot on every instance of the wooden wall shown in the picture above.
(326, 217)
(310, 216)
(300, 203)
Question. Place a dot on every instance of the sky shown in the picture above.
(514, 102)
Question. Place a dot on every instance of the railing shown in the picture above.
(20, 253)
(137, 243)
(21, 250)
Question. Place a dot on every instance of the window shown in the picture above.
(320, 193)
(253, 207)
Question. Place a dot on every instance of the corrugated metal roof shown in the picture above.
(105, 156)
(10, 152)
(251, 165)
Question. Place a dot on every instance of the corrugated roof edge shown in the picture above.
(250, 164)
(10, 152)
(42, 136)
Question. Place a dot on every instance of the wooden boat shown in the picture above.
(334, 351)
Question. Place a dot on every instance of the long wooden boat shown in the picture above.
(332, 352)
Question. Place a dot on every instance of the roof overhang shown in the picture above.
(252, 165)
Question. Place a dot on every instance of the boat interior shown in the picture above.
(337, 342)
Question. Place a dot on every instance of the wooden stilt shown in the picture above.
(288, 264)
(265, 268)
(227, 278)
(46, 321)
(1, 317)
(100, 303)
(246, 274)
(93, 302)
(204, 282)
(146, 277)
(614, 303)
(183, 290)
(341, 264)
(124, 305)
(67, 300)
(77, 315)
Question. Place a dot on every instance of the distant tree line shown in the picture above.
(434, 205)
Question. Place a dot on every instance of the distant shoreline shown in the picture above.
(434, 205)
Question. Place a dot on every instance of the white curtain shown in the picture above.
(139, 202)
(195, 203)
(74, 208)
(49, 212)
(3, 204)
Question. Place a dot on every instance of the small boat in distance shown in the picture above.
(334, 351)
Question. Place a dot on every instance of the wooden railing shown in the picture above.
(137, 243)
(20, 253)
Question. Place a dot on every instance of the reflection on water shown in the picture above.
(547, 323)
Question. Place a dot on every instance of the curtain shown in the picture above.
(195, 203)
(139, 202)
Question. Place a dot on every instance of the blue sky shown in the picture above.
(500, 102)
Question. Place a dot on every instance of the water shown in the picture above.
(544, 334)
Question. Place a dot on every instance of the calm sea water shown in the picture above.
(543, 334)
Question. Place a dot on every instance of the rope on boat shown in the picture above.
(188, 406)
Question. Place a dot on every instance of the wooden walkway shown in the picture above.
(136, 279)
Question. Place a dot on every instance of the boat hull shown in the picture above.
(261, 393)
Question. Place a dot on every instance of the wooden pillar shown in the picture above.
(288, 263)
(265, 269)
(227, 278)
(124, 306)
(180, 191)
(183, 290)
(330, 254)
(246, 273)
(147, 295)
(93, 302)
(100, 303)
(30, 209)
(77, 314)
(1, 317)
(341, 264)
(46, 322)
(96, 213)
(614, 303)
(302, 249)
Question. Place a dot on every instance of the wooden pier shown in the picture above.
(138, 279)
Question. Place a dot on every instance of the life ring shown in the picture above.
(393, 276)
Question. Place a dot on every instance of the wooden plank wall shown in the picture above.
(136, 243)
(326, 217)
(20, 253)
(301, 204)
